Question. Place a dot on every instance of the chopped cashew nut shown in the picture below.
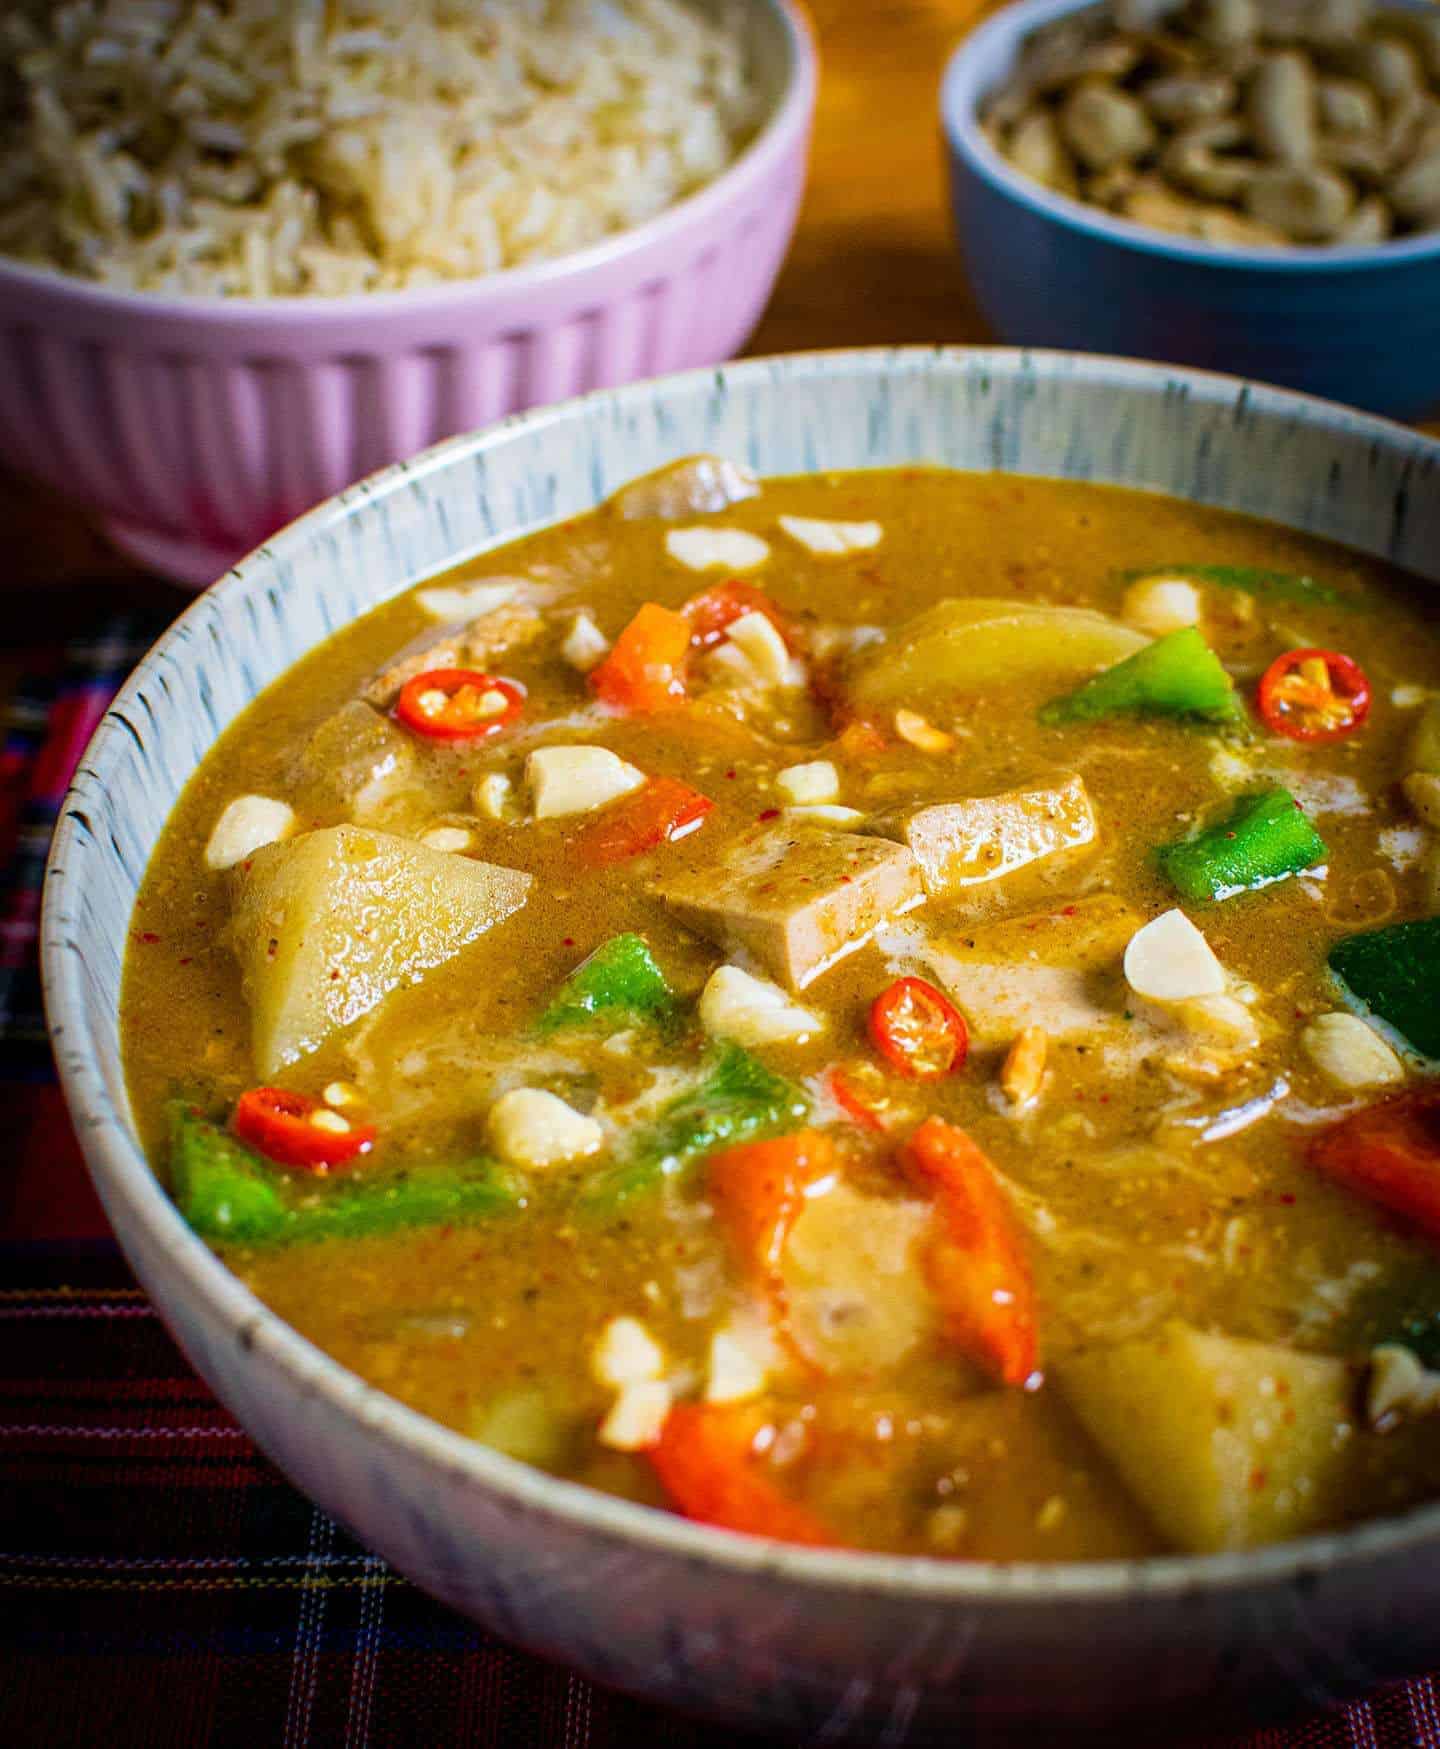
(494, 796)
(585, 644)
(247, 825)
(818, 781)
(636, 1416)
(716, 549)
(626, 1354)
(921, 732)
(753, 1011)
(1158, 605)
(1422, 791)
(1024, 1067)
(573, 780)
(1351, 1053)
(755, 637)
(1220, 1020)
(452, 603)
(1400, 1386)
(453, 838)
(824, 814)
(737, 1368)
(832, 539)
(1169, 960)
(530, 1127)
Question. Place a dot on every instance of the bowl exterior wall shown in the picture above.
(862, 1650)
(1370, 338)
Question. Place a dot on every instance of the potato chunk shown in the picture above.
(967, 842)
(326, 925)
(960, 644)
(798, 901)
(1227, 1444)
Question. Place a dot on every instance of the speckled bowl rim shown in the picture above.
(960, 98)
(120, 1167)
(787, 122)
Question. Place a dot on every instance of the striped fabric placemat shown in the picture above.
(160, 1582)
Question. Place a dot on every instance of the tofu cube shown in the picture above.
(798, 902)
(968, 842)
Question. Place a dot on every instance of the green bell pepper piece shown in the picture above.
(1178, 675)
(232, 1196)
(223, 1190)
(1263, 839)
(620, 977)
(1395, 974)
(737, 1100)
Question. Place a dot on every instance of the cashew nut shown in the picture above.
(1103, 126)
(1347, 107)
(1183, 98)
(1282, 108)
(1415, 192)
(1035, 150)
(1191, 160)
(1227, 21)
(1371, 222)
(1309, 206)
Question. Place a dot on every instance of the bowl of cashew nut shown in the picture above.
(1250, 186)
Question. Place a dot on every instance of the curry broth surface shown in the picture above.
(1231, 1233)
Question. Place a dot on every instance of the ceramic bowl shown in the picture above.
(196, 426)
(860, 1648)
(1355, 324)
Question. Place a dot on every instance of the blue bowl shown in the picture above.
(1353, 324)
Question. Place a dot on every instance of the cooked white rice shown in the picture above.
(257, 148)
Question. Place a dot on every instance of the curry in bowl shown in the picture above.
(887, 1010)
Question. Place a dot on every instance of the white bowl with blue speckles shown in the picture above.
(857, 1648)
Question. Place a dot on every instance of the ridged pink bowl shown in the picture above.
(195, 427)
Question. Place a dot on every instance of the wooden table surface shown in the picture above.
(872, 262)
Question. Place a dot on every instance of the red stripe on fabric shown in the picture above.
(46, 1193)
(74, 717)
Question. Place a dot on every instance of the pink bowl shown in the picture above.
(195, 427)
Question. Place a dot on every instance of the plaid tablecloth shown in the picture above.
(160, 1582)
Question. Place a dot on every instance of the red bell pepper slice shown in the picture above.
(645, 670)
(662, 812)
(458, 704)
(713, 611)
(1314, 695)
(282, 1126)
(759, 1189)
(919, 1031)
(1390, 1153)
(707, 1463)
(977, 1263)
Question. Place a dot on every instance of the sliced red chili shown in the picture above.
(1389, 1153)
(918, 1031)
(713, 611)
(663, 811)
(293, 1130)
(458, 704)
(1314, 695)
(858, 1089)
